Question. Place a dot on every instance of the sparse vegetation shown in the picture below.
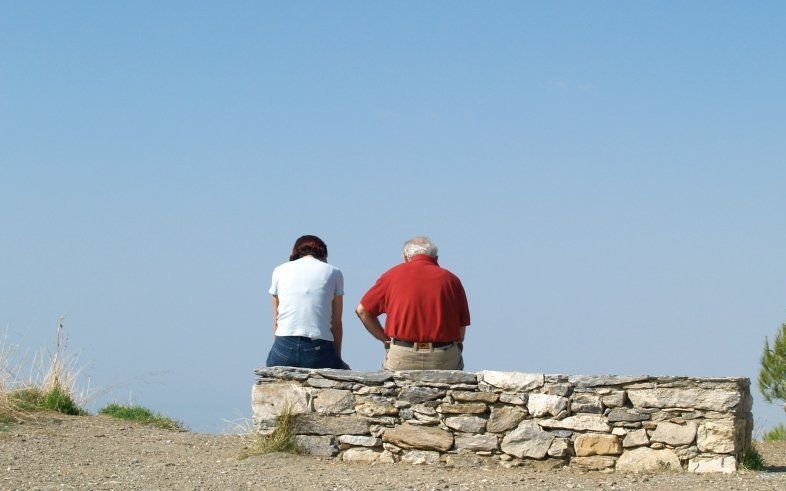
(752, 460)
(142, 415)
(50, 387)
(776, 434)
(280, 440)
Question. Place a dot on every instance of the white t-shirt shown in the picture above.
(305, 289)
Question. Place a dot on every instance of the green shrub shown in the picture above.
(141, 415)
(776, 434)
(752, 460)
(33, 399)
(59, 400)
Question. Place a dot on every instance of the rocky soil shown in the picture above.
(96, 452)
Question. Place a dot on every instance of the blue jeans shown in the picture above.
(300, 351)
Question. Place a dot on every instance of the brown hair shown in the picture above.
(309, 245)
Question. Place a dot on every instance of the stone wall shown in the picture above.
(627, 423)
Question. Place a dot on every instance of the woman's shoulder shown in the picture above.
(333, 269)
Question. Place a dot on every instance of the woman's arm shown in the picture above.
(336, 326)
(275, 314)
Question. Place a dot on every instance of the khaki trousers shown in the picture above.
(443, 358)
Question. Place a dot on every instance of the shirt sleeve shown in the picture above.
(374, 299)
(274, 283)
(462, 304)
(339, 290)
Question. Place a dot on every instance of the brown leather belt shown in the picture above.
(409, 344)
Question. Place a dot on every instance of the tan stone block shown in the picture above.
(597, 444)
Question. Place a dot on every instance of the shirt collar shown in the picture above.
(423, 258)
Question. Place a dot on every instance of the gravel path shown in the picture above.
(97, 452)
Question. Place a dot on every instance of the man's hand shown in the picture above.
(372, 325)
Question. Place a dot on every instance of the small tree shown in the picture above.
(772, 376)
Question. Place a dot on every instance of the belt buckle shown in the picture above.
(420, 346)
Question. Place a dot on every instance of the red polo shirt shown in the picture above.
(423, 302)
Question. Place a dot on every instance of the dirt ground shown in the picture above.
(97, 452)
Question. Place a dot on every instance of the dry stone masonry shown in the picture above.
(638, 424)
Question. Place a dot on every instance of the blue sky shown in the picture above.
(606, 178)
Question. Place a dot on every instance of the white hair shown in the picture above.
(420, 245)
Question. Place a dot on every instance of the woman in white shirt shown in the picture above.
(308, 298)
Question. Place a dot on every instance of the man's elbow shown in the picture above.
(360, 311)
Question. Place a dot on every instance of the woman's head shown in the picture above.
(309, 245)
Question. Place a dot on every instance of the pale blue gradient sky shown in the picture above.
(607, 179)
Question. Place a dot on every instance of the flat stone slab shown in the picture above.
(451, 377)
(377, 377)
(513, 381)
(711, 400)
(286, 373)
(419, 437)
(311, 424)
(606, 380)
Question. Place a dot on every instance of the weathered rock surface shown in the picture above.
(468, 396)
(594, 463)
(560, 447)
(438, 376)
(716, 436)
(420, 437)
(614, 399)
(375, 407)
(323, 446)
(515, 399)
(619, 414)
(527, 440)
(417, 395)
(283, 373)
(644, 459)
(322, 383)
(514, 381)
(269, 400)
(484, 442)
(360, 441)
(310, 424)
(420, 457)
(463, 408)
(360, 455)
(597, 444)
(358, 377)
(504, 419)
(544, 404)
(581, 422)
(710, 400)
(674, 434)
(605, 380)
(722, 463)
(635, 439)
(586, 403)
(466, 424)
(334, 401)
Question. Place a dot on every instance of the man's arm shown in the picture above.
(336, 327)
(275, 314)
(371, 323)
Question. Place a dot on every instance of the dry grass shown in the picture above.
(280, 440)
(50, 385)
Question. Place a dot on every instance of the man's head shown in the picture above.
(419, 245)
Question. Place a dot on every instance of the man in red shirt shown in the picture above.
(426, 310)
